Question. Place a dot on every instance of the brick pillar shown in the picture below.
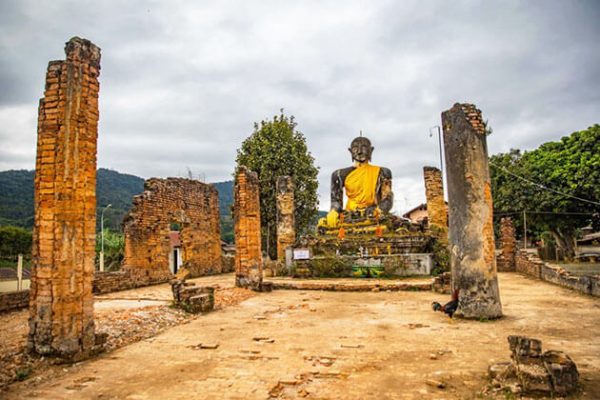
(508, 242)
(471, 232)
(286, 235)
(246, 214)
(434, 192)
(61, 309)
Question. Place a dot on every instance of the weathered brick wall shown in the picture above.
(14, 300)
(191, 204)
(508, 244)
(434, 193)
(286, 233)
(246, 213)
(528, 263)
(115, 281)
(471, 232)
(61, 305)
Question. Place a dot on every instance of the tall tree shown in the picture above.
(559, 183)
(277, 148)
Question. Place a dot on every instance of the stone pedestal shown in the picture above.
(246, 213)
(61, 318)
(286, 233)
(471, 232)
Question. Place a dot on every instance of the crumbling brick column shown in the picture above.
(246, 214)
(190, 204)
(471, 232)
(286, 234)
(61, 320)
(434, 192)
(508, 242)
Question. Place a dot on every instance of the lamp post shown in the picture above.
(102, 237)
(439, 132)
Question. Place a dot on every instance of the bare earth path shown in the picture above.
(332, 345)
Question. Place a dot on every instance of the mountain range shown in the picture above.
(112, 187)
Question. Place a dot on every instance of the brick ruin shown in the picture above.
(506, 261)
(471, 232)
(286, 234)
(533, 372)
(434, 192)
(61, 303)
(246, 214)
(191, 205)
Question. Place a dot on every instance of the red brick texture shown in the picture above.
(508, 244)
(192, 205)
(64, 235)
(246, 212)
(434, 193)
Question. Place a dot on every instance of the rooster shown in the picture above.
(450, 307)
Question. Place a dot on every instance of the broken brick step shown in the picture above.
(353, 287)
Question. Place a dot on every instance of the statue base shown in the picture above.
(364, 248)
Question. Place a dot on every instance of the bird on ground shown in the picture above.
(448, 308)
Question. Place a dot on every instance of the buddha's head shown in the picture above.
(361, 149)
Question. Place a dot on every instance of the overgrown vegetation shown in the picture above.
(114, 249)
(115, 188)
(277, 148)
(564, 175)
(15, 240)
(112, 187)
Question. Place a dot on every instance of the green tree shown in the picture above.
(15, 240)
(558, 183)
(277, 148)
(114, 249)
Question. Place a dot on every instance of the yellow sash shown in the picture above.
(360, 186)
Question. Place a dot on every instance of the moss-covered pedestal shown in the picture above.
(362, 247)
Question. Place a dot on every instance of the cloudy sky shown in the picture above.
(182, 82)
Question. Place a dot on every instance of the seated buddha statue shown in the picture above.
(368, 187)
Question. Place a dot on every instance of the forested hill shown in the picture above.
(115, 188)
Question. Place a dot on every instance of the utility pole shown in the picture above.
(102, 237)
(524, 229)
(20, 272)
(440, 145)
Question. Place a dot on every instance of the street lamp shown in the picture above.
(102, 237)
(439, 132)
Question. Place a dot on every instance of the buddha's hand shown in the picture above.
(374, 212)
(332, 218)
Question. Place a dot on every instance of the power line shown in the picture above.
(542, 186)
(539, 212)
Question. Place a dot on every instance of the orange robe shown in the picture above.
(360, 186)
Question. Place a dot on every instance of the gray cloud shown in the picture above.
(182, 83)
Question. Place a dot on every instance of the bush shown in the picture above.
(114, 249)
(15, 240)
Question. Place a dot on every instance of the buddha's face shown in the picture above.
(361, 149)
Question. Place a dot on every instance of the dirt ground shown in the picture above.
(334, 345)
(127, 317)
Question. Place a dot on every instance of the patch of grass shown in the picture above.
(23, 373)
(509, 395)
